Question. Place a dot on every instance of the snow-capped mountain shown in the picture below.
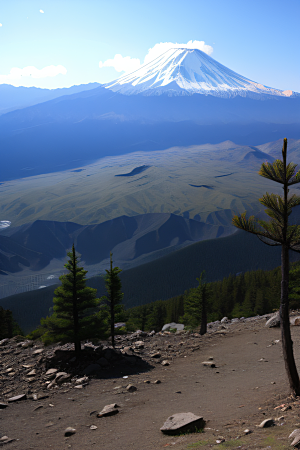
(182, 71)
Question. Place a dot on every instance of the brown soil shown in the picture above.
(237, 394)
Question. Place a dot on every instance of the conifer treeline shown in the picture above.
(245, 295)
(8, 327)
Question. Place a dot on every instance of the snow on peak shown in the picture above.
(183, 71)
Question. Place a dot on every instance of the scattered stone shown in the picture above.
(173, 325)
(62, 377)
(155, 355)
(17, 398)
(295, 320)
(182, 422)
(83, 380)
(210, 358)
(165, 362)
(4, 341)
(274, 321)
(147, 381)
(131, 388)
(209, 364)
(69, 431)
(247, 431)
(38, 351)
(296, 435)
(3, 405)
(156, 382)
(278, 419)
(286, 408)
(225, 320)
(139, 344)
(267, 423)
(220, 441)
(93, 427)
(108, 410)
(51, 372)
(32, 373)
(5, 440)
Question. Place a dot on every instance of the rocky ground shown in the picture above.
(233, 377)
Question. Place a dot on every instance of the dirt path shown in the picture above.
(247, 363)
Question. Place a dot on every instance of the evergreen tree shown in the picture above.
(195, 306)
(114, 295)
(73, 301)
(278, 231)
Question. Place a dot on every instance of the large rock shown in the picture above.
(182, 422)
(108, 410)
(274, 321)
(177, 326)
(295, 320)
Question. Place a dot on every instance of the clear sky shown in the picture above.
(60, 43)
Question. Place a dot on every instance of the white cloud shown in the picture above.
(41, 11)
(0, 24)
(32, 72)
(121, 63)
(128, 64)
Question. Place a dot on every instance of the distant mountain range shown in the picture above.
(182, 98)
(35, 245)
(12, 97)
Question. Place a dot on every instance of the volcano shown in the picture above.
(184, 97)
(183, 71)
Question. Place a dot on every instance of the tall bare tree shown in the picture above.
(278, 231)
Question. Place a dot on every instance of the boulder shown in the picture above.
(182, 422)
(177, 326)
(295, 320)
(225, 320)
(274, 321)
(108, 410)
(69, 431)
(267, 423)
(17, 398)
(131, 388)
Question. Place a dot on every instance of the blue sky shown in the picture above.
(62, 42)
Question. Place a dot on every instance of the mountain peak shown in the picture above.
(184, 71)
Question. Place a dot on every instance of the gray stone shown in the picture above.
(182, 422)
(92, 368)
(131, 388)
(155, 355)
(225, 320)
(274, 321)
(4, 342)
(5, 440)
(267, 423)
(83, 380)
(108, 410)
(295, 320)
(17, 398)
(69, 431)
(62, 377)
(177, 326)
(165, 363)
(209, 364)
(3, 405)
(38, 351)
(296, 435)
(139, 344)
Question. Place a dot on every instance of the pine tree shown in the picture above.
(114, 296)
(278, 231)
(71, 321)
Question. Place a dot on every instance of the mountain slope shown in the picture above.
(183, 71)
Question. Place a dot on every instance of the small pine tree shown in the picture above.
(278, 231)
(114, 296)
(73, 301)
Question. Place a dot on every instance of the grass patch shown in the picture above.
(230, 444)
